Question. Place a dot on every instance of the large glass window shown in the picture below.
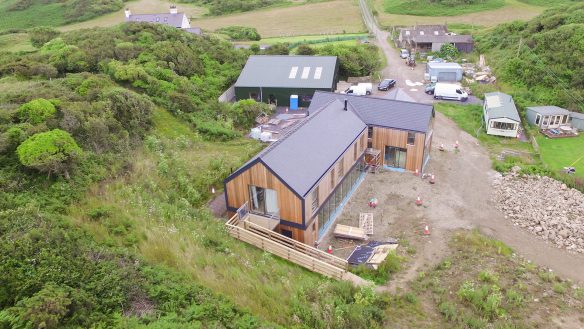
(537, 119)
(263, 200)
(503, 125)
(395, 157)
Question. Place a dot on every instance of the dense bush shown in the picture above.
(36, 111)
(240, 33)
(52, 152)
(354, 61)
(244, 112)
(41, 35)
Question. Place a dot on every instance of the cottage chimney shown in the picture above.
(345, 105)
(173, 9)
(128, 12)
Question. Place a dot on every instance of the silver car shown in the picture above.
(404, 53)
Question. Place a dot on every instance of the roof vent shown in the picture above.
(345, 108)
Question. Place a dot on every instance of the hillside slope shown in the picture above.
(541, 61)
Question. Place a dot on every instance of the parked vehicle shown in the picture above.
(429, 89)
(450, 91)
(359, 89)
(386, 84)
(368, 87)
(404, 53)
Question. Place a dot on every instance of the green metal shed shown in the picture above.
(273, 79)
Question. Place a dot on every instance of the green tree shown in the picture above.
(36, 111)
(448, 50)
(305, 50)
(52, 152)
(244, 112)
(41, 35)
(132, 110)
(278, 49)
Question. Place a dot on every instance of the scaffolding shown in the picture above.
(372, 160)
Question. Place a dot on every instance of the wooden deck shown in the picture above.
(299, 253)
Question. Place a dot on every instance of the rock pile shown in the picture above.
(545, 207)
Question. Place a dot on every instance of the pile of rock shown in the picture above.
(545, 207)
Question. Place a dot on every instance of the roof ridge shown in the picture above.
(375, 97)
(294, 129)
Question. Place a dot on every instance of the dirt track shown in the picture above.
(460, 199)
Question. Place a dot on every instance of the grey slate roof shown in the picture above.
(307, 152)
(288, 71)
(579, 116)
(549, 110)
(166, 19)
(501, 105)
(381, 112)
(425, 29)
(431, 38)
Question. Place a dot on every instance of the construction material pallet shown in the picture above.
(366, 222)
(350, 232)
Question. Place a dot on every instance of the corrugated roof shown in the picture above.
(549, 110)
(579, 116)
(166, 19)
(441, 65)
(429, 38)
(382, 112)
(284, 71)
(501, 105)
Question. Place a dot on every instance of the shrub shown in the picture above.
(52, 152)
(488, 277)
(244, 112)
(240, 33)
(41, 35)
(36, 111)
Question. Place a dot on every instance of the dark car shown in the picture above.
(386, 84)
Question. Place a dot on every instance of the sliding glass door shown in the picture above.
(263, 200)
(395, 157)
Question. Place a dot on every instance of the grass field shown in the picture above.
(37, 15)
(332, 17)
(138, 7)
(16, 42)
(426, 8)
(549, 3)
(513, 10)
(562, 152)
(469, 119)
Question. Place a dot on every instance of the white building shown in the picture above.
(501, 116)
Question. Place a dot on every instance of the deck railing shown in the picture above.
(299, 253)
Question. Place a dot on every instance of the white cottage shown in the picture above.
(501, 116)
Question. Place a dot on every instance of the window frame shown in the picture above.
(411, 138)
(315, 201)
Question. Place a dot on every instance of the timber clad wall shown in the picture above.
(238, 191)
(383, 137)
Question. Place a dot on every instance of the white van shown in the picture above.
(449, 91)
(368, 87)
(359, 90)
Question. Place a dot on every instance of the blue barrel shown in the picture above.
(294, 102)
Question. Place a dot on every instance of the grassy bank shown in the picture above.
(513, 10)
(483, 284)
(436, 8)
(562, 152)
(331, 17)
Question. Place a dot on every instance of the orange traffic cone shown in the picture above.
(330, 249)
(417, 173)
(441, 147)
(426, 230)
(432, 179)
(418, 201)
